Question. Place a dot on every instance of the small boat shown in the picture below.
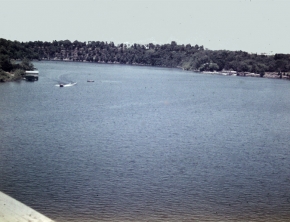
(60, 85)
(90, 81)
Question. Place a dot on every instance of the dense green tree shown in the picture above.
(26, 64)
(169, 55)
(5, 63)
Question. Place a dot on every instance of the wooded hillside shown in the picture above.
(188, 57)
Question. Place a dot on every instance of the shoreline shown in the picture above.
(267, 75)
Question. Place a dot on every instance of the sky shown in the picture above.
(255, 26)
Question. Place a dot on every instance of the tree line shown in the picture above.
(188, 57)
(10, 51)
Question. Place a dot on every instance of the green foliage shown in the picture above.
(187, 56)
(19, 74)
(26, 64)
(4, 76)
(5, 63)
(209, 67)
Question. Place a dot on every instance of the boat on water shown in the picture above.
(60, 85)
(90, 81)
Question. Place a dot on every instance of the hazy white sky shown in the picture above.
(248, 25)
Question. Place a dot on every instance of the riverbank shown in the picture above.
(15, 70)
(6, 76)
(271, 75)
(10, 76)
(186, 57)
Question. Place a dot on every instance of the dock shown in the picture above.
(12, 210)
(31, 75)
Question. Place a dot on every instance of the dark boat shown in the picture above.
(90, 81)
(60, 85)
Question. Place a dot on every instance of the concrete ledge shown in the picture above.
(12, 210)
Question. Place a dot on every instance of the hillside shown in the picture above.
(187, 57)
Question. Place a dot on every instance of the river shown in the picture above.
(146, 144)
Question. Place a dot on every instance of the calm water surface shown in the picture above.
(146, 144)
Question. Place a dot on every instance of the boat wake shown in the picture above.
(110, 81)
(66, 85)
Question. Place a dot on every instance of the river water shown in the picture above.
(146, 144)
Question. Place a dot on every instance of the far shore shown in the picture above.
(271, 75)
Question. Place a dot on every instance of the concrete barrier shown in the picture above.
(12, 210)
